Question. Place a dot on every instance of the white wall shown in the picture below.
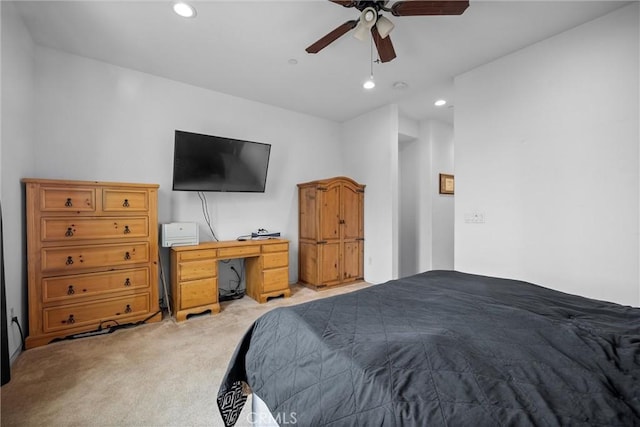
(440, 141)
(370, 151)
(102, 122)
(17, 160)
(410, 186)
(409, 218)
(547, 148)
(426, 217)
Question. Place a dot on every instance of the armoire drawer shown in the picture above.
(78, 315)
(72, 258)
(122, 200)
(70, 229)
(54, 199)
(69, 288)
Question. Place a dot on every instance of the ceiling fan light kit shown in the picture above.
(384, 26)
(368, 18)
(372, 21)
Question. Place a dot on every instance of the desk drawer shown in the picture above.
(276, 259)
(201, 269)
(277, 247)
(70, 229)
(197, 254)
(73, 258)
(77, 315)
(198, 292)
(93, 284)
(276, 279)
(238, 252)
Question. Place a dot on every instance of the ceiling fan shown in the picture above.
(371, 19)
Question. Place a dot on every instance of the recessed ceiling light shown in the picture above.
(184, 10)
(369, 84)
(400, 85)
(293, 61)
(440, 103)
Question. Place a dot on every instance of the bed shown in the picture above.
(442, 348)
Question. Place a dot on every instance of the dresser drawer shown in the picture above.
(238, 252)
(277, 247)
(276, 259)
(195, 255)
(275, 280)
(54, 199)
(191, 270)
(78, 315)
(121, 200)
(70, 229)
(72, 258)
(93, 284)
(198, 292)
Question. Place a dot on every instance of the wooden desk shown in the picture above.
(194, 273)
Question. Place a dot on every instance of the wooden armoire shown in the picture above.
(331, 232)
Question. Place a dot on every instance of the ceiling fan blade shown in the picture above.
(345, 3)
(418, 8)
(386, 52)
(331, 37)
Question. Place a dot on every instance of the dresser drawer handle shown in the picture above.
(69, 260)
(127, 282)
(71, 320)
(69, 232)
(125, 204)
(71, 291)
(126, 229)
(128, 309)
(68, 203)
(127, 256)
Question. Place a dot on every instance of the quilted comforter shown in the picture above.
(442, 348)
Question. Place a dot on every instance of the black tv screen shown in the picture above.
(214, 163)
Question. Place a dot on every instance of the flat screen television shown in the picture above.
(214, 163)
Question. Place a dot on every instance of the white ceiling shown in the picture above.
(243, 48)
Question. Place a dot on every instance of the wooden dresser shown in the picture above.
(92, 251)
(194, 273)
(331, 232)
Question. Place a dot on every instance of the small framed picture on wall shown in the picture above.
(446, 183)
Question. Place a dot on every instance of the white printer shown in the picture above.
(179, 234)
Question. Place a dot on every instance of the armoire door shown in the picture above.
(330, 213)
(351, 212)
(351, 263)
(329, 263)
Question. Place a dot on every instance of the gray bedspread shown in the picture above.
(443, 348)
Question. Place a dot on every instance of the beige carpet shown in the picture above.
(160, 374)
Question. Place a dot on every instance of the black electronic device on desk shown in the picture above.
(260, 234)
(264, 234)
